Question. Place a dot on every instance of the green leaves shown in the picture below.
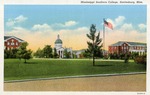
(23, 52)
(94, 46)
(47, 51)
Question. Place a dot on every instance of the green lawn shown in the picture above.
(15, 69)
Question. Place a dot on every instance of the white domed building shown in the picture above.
(60, 49)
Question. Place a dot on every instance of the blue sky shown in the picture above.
(57, 18)
(85, 15)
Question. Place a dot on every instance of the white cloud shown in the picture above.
(17, 20)
(75, 38)
(119, 35)
(20, 19)
(41, 27)
(66, 24)
(124, 32)
(70, 23)
(142, 27)
(127, 27)
(119, 20)
(10, 22)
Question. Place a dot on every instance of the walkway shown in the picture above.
(110, 83)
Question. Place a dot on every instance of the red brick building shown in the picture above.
(123, 47)
(11, 42)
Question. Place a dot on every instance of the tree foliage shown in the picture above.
(12, 53)
(55, 55)
(87, 54)
(48, 51)
(95, 45)
(23, 52)
(67, 54)
(39, 53)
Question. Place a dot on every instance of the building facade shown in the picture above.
(60, 49)
(123, 47)
(78, 53)
(12, 42)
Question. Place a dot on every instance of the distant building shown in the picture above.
(78, 53)
(11, 42)
(123, 47)
(60, 49)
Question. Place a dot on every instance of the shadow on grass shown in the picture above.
(31, 63)
(102, 65)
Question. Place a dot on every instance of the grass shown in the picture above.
(15, 69)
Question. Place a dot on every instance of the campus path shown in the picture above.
(110, 83)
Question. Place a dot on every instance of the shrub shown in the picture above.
(140, 60)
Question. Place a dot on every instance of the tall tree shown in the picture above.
(95, 44)
(47, 51)
(55, 55)
(23, 52)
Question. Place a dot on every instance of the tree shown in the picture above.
(55, 55)
(6, 53)
(23, 52)
(67, 54)
(39, 53)
(47, 51)
(126, 59)
(87, 54)
(27, 55)
(95, 44)
(12, 53)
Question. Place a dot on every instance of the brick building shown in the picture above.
(11, 42)
(123, 47)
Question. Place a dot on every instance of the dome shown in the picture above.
(58, 41)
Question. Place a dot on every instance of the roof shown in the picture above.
(129, 43)
(58, 41)
(8, 37)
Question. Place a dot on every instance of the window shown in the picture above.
(12, 43)
(8, 43)
(134, 47)
(16, 43)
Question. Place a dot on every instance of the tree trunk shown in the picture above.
(93, 53)
(93, 61)
(25, 61)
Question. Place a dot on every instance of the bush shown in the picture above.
(140, 60)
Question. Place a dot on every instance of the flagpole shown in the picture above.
(109, 25)
(104, 37)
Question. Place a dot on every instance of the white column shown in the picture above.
(62, 54)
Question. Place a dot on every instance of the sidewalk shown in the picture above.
(127, 82)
